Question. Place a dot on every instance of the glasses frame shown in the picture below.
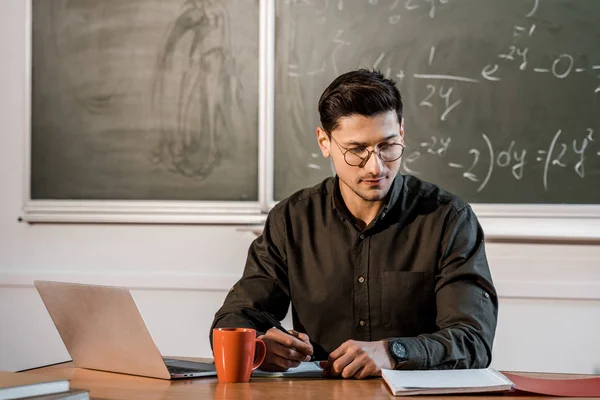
(365, 160)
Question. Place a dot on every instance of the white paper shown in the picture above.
(455, 378)
(445, 381)
(310, 369)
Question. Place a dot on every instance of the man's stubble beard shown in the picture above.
(365, 197)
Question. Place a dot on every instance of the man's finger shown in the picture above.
(366, 372)
(302, 336)
(323, 365)
(338, 365)
(353, 367)
(273, 357)
(286, 352)
(337, 353)
(284, 362)
(272, 367)
(289, 341)
(359, 374)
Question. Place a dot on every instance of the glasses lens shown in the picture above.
(355, 157)
(391, 152)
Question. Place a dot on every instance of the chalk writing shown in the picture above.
(507, 96)
(513, 157)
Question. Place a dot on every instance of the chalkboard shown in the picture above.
(501, 97)
(144, 100)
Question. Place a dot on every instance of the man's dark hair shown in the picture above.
(360, 92)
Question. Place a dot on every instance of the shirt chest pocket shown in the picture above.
(408, 301)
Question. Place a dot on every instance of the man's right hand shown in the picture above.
(285, 351)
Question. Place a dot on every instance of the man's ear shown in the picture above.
(324, 142)
(402, 130)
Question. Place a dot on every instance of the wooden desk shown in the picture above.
(106, 385)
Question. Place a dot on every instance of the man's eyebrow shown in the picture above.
(354, 143)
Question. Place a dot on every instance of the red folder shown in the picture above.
(578, 387)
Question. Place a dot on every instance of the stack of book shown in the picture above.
(37, 387)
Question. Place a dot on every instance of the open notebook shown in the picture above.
(408, 383)
(310, 369)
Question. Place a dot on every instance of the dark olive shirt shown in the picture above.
(417, 272)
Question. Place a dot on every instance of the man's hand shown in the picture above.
(285, 351)
(359, 359)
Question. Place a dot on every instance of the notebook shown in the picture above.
(409, 383)
(310, 369)
(15, 385)
(73, 394)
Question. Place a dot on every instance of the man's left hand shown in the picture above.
(359, 360)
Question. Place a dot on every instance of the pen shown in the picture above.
(273, 321)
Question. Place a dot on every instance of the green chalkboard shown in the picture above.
(502, 98)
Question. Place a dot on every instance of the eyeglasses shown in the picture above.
(359, 156)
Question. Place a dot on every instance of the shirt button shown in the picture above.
(361, 279)
(362, 322)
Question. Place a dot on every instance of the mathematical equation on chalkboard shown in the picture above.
(517, 53)
(456, 76)
(512, 156)
(395, 6)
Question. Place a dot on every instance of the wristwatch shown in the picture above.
(398, 351)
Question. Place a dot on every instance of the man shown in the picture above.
(382, 270)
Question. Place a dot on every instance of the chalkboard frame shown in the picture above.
(500, 221)
(145, 211)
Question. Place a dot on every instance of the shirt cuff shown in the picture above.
(417, 354)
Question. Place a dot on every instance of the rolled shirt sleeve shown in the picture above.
(467, 303)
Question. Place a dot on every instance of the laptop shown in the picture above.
(103, 329)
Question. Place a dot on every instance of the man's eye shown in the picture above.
(357, 150)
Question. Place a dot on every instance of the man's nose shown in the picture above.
(374, 164)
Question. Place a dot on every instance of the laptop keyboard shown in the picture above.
(182, 370)
(183, 367)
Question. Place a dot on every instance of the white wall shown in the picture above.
(550, 294)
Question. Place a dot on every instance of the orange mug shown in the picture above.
(237, 353)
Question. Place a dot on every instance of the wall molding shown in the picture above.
(555, 290)
(176, 281)
(168, 281)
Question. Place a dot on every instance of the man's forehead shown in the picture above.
(363, 129)
(388, 118)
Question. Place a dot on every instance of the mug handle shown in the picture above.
(259, 355)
